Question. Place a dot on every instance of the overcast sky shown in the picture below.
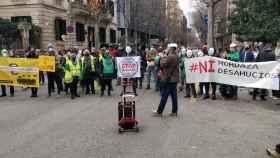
(186, 6)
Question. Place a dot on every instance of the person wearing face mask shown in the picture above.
(5, 53)
(190, 87)
(72, 74)
(211, 52)
(106, 72)
(88, 64)
(55, 77)
(130, 52)
(201, 53)
(68, 78)
(33, 54)
(247, 55)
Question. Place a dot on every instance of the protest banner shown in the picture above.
(19, 76)
(129, 67)
(44, 63)
(252, 75)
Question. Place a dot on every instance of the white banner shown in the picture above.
(252, 75)
(129, 67)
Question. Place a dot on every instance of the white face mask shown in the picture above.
(189, 54)
(128, 50)
(200, 54)
(211, 52)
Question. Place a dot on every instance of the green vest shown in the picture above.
(108, 65)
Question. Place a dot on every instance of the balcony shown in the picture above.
(78, 8)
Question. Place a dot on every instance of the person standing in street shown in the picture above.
(234, 55)
(266, 55)
(211, 52)
(130, 53)
(5, 53)
(55, 77)
(88, 64)
(143, 66)
(190, 87)
(33, 54)
(106, 72)
(169, 80)
(72, 74)
(150, 67)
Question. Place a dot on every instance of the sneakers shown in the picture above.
(272, 153)
(156, 114)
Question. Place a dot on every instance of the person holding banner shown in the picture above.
(3, 87)
(264, 56)
(190, 87)
(33, 54)
(169, 81)
(131, 53)
(234, 55)
(211, 52)
(55, 77)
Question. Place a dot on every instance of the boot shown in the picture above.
(214, 97)
(109, 93)
(102, 93)
(148, 87)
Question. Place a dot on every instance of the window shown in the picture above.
(111, 7)
(18, 19)
(113, 36)
(60, 28)
(80, 32)
(102, 35)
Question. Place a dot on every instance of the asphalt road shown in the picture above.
(58, 127)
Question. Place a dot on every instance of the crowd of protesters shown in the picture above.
(93, 69)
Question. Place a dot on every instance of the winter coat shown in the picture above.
(247, 56)
(234, 56)
(266, 56)
(170, 67)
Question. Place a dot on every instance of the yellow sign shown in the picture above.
(19, 76)
(44, 63)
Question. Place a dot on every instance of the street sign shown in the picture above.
(205, 19)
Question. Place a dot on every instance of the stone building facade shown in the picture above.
(141, 20)
(66, 23)
(222, 34)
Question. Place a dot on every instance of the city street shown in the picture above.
(58, 127)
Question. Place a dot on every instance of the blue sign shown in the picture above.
(205, 19)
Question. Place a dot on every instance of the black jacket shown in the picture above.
(266, 56)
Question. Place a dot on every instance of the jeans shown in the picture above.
(169, 89)
(53, 77)
(151, 71)
(190, 89)
(207, 88)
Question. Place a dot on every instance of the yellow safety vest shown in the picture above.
(75, 69)
(68, 77)
(93, 59)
